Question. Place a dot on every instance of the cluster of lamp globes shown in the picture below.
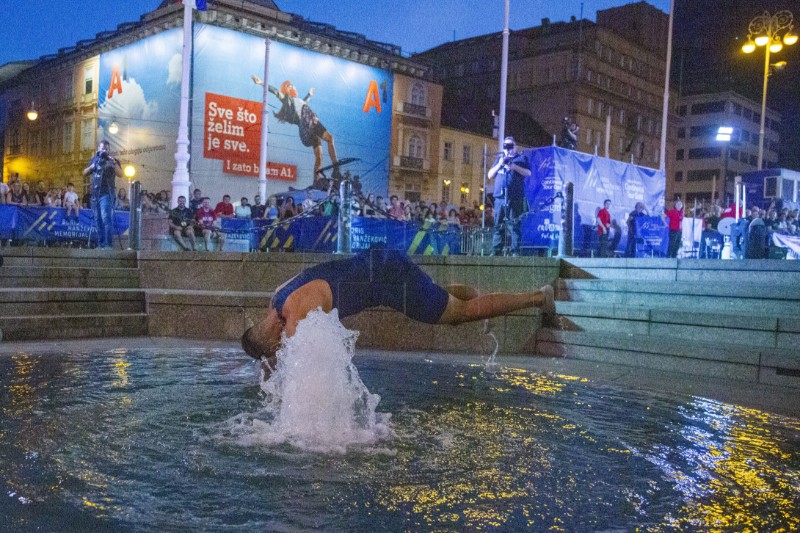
(774, 41)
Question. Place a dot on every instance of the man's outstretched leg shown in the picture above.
(496, 304)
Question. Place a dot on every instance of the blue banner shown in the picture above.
(49, 224)
(595, 180)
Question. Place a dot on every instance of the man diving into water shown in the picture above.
(378, 278)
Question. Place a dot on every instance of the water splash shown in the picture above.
(491, 367)
(315, 399)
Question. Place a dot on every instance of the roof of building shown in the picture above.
(9, 70)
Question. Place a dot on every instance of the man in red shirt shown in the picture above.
(205, 219)
(603, 225)
(224, 209)
(675, 217)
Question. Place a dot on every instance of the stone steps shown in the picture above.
(15, 302)
(66, 293)
(41, 327)
(731, 319)
(68, 277)
(26, 256)
(776, 366)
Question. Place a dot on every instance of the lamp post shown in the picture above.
(771, 32)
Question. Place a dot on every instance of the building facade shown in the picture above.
(65, 90)
(610, 84)
(700, 161)
(416, 119)
(464, 159)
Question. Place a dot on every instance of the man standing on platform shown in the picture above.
(509, 173)
(103, 169)
(675, 218)
(603, 227)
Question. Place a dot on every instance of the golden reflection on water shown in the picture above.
(474, 439)
(733, 482)
(729, 469)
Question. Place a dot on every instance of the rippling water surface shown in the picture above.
(142, 440)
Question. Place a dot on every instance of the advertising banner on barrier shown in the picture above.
(319, 234)
(654, 235)
(48, 224)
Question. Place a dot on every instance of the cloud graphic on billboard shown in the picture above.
(175, 69)
(129, 103)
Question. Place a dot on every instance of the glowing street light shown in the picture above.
(129, 171)
(113, 128)
(32, 113)
(772, 32)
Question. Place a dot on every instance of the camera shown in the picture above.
(507, 160)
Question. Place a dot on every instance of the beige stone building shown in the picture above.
(416, 120)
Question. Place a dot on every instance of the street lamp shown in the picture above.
(772, 32)
(32, 113)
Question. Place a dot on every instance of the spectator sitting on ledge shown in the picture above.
(181, 224)
(257, 209)
(224, 209)
(243, 210)
(206, 224)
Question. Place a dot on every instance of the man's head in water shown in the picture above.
(263, 340)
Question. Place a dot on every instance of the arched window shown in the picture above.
(415, 147)
(418, 95)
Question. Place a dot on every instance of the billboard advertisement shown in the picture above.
(139, 93)
(322, 109)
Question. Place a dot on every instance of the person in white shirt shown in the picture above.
(71, 202)
(243, 209)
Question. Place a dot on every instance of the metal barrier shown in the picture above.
(476, 240)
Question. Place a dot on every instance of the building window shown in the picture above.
(467, 155)
(590, 106)
(702, 175)
(88, 80)
(679, 175)
(708, 107)
(589, 74)
(67, 137)
(711, 152)
(679, 155)
(753, 160)
(621, 117)
(415, 147)
(418, 96)
(68, 91)
(36, 143)
(446, 191)
(87, 134)
(589, 136)
(682, 111)
(448, 151)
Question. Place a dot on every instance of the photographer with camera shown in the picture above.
(181, 224)
(103, 169)
(509, 173)
(569, 134)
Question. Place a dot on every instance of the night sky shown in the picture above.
(34, 28)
